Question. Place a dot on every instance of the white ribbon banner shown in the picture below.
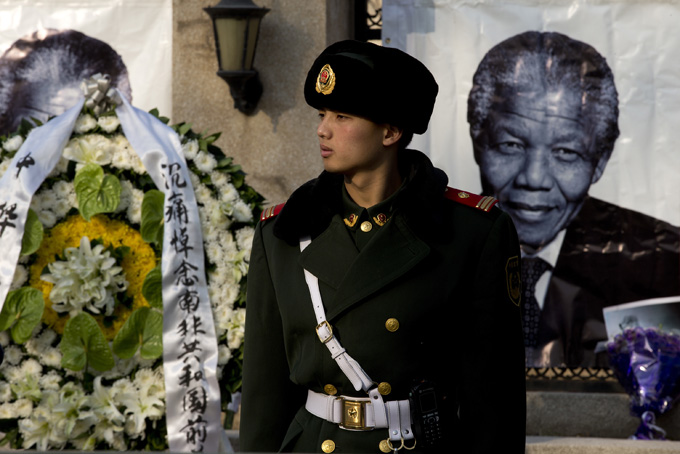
(189, 341)
(30, 166)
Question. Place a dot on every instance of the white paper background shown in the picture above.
(639, 39)
(139, 30)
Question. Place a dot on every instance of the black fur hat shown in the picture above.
(382, 84)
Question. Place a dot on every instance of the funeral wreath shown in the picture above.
(82, 323)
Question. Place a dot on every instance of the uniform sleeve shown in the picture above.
(269, 398)
(493, 389)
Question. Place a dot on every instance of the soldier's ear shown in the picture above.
(391, 135)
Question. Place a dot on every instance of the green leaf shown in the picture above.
(184, 128)
(143, 329)
(96, 192)
(33, 234)
(22, 311)
(152, 288)
(152, 216)
(83, 343)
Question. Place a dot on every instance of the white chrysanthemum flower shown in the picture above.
(219, 179)
(244, 239)
(203, 194)
(13, 355)
(87, 279)
(7, 411)
(47, 198)
(50, 381)
(195, 180)
(32, 347)
(214, 252)
(223, 354)
(223, 314)
(51, 357)
(84, 123)
(235, 337)
(190, 149)
(23, 408)
(5, 392)
(13, 143)
(108, 123)
(229, 193)
(134, 210)
(20, 277)
(205, 162)
(242, 211)
(240, 317)
(31, 367)
(61, 208)
(210, 232)
(47, 217)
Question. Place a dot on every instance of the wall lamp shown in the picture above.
(236, 24)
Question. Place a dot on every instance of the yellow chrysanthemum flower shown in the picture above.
(140, 260)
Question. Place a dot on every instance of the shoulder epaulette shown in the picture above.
(270, 212)
(484, 203)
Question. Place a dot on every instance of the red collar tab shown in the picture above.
(484, 203)
(270, 212)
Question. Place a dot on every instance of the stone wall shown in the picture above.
(277, 146)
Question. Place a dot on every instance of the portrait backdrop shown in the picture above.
(639, 39)
(140, 31)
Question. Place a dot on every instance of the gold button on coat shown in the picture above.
(385, 446)
(330, 390)
(384, 388)
(366, 226)
(328, 446)
(392, 324)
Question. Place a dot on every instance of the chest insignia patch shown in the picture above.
(513, 280)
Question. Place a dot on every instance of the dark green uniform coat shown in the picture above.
(445, 271)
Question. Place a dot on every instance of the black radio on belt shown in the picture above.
(427, 415)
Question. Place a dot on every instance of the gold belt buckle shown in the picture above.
(354, 415)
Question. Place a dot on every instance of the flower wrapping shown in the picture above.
(646, 361)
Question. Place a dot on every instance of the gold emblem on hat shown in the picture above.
(325, 81)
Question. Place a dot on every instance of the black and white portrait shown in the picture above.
(543, 115)
(567, 113)
(40, 74)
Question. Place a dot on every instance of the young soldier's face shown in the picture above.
(539, 159)
(350, 144)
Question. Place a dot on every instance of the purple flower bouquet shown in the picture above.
(646, 362)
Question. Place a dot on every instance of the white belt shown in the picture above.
(353, 413)
(357, 413)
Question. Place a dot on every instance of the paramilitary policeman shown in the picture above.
(383, 306)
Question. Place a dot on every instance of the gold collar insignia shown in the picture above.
(351, 220)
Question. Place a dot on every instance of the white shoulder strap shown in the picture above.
(360, 380)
